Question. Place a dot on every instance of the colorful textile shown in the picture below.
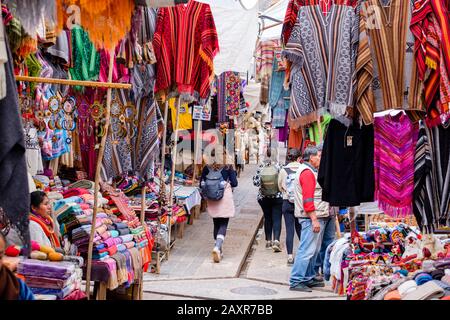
(233, 89)
(46, 269)
(322, 51)
(185, 44)
(395, 141)
(387, 75)
(430, 24)
(48, 228)
(432, 177)
(185, 117)
(265, 53)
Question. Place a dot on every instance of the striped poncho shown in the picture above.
(185, 44)
(395, 141)
(430, 24)
(432, 177)
(387, 76)
(321, 50)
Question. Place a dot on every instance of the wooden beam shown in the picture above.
(94, 84)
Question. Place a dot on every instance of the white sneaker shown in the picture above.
(216, 254)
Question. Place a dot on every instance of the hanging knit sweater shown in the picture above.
(395, 141)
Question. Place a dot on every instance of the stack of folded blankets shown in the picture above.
(51, 280)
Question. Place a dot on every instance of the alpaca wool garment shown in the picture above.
(322, 50)
(185, 44)
(395, 141)
(432, 177)
(423, 278)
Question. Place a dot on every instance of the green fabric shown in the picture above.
(314, 129)
(34, 68)
(86, 59)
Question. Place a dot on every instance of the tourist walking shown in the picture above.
(270, 199)
(217, 181)
(286, 185)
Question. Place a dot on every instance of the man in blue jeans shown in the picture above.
(313, 214)
(329, 235)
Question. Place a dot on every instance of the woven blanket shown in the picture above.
(395, 141)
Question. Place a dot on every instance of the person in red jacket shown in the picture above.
(312, 213)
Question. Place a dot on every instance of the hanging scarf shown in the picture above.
(9, 285)
(395, 141)
(48, 228)
(86, 60)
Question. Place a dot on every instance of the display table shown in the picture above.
(188, 196)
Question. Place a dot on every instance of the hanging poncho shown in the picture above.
(430, 24)
(185, 45)
(432, 177)
(395, 141)
(322, 50)
(386, 68)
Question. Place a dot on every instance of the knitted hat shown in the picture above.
(423, 278)
(446, 279)
(407, 287)
(428, 265)
(444, 286)
(428, 291)
(437, 274)
(393, 295)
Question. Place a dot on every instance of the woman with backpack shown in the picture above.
(217, 181)
(286, 185)
(271, 200)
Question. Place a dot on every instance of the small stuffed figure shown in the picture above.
(357, 245)
(397, 251)
(378, 247)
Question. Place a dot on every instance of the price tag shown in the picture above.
(349, 141)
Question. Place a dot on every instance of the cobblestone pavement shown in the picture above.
(248, 270)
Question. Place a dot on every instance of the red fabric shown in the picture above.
(308, 183)
(74, 192)
(48, 230)
(185, 44)
(76, 295)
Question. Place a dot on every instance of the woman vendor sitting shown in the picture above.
(42, 229)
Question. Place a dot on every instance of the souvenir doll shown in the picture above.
(378, 246)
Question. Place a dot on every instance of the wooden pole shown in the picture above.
(97, 176)
(94, 84)
(143, 204)
(198, 132)
(162, 183)
(172, 178)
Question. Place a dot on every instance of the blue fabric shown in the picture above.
(276, 85)
(327, 263)
(24, 292)
(329, 235)
(303, 269)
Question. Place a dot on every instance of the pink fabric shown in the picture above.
(223, 208)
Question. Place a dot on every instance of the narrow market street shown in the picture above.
(248, 270)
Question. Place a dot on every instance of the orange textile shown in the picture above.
(295, 138)
(107, 21)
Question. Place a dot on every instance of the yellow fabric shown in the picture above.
(185, 117)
